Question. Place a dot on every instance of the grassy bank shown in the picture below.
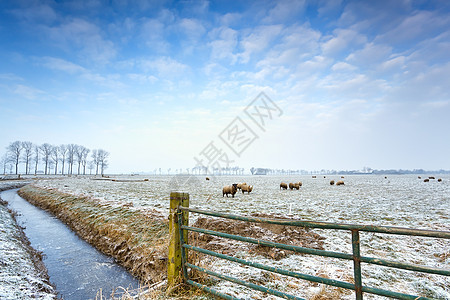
(137, 239)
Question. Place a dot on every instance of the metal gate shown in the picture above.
(179, 227)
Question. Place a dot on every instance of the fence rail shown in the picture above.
(180, 215)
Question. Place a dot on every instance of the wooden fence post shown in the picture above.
(174, 267)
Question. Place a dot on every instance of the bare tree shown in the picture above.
(36, 158)
(84, 159)
(71, 149)
(46, 150)
(95, 161)
(103, 159)
(50, 165)
(27, 155)
(79, 157)
(55, 157)
(14, 150)
(63, 152)
(91, 166)
(4, 161)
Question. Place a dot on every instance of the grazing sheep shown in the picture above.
(332, 182)
(283, 186)
(295, 185)
(239, 186)
(340, 182)
(229, 189)
(246, 188)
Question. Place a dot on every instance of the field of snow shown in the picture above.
(402, 200)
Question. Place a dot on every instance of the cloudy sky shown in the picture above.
(281, 84)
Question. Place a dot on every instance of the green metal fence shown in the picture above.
(180, 215)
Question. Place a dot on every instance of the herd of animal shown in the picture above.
(295, 185)
(232, 189)
(244, 187)
(430, 177)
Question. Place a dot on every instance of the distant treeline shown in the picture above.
(364, 171)
(415, 171)
(50, 159)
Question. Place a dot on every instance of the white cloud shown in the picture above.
(371, 55)
(295, 48)
(142, 78)
(296, 44)
(83, 38)
(395, 64)
(342, 41)
(223, 44)
(328, 7)
(153, 35)
(61, 65)
(192, 29)
(284, 10)
(443, 104)
(11, 77)
(230, 19)
(427, 84)
(355, 86)
(107, 80)
(343, 67)
(27, 92)
(420, 25)
(257, 40)
(214, 70)
(36, 13)
(166, 67)
(317, 64)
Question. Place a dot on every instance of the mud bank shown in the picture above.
(137, 239)
(22, 272)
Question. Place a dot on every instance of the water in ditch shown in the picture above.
(76, 268)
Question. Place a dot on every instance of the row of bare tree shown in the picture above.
(53, 158)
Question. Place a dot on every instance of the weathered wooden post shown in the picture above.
(174, 267)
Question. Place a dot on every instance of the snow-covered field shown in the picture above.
(398, 200)
(19, 277)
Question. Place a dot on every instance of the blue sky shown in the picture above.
(357, 83)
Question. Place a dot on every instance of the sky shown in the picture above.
(276, 84)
